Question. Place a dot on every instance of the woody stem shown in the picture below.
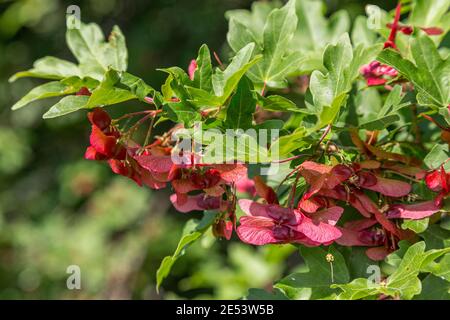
(434, 121)
(138, 124)
(294, 191)
(289, 159)
(402, 175)
(133, 114)
(149, 131)
(325, 133)
(415, 125)
(287, 176)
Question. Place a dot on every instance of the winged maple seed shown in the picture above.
(377, 74)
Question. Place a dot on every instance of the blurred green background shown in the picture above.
(57, 209)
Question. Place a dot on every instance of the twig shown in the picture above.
(327, 130)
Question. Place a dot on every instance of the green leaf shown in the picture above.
(203, 73)
(330, 89)
(437, 156)
(66, 105)
(387, 114)
(358, 263)
(329, 113)
(198, 94)
(343, 65)
(429, 74)
(239, 35)
(247, 26)
(234, 146)
(319, 277)
(94, 55)
(242, 106)
(117, 50)
(277, 103)
(357, 289)
(286, 144)
(404, 280)
(137, 86)
(418, 226)
(314, 30)
(430, 13)
(49, 68)
(270, 124)
(395, 258)
(278, 31)
(107, 93)
(277, 61)
(180, 82)
(181, 113)
(47, 90)
(380, 123)
(436, 237)
(194, 229)
(393, 103)
(361, 33)
(239, 61)
(272, 41)
(261, 294)
(434, 288)
(224, 82)
(440, 269)
(233, 80)
(403, 283)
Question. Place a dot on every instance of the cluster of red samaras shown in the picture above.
(153, 166)
(377, 74)
(313, 222)
(106, 144)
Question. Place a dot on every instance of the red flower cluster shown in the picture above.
(197, 186)
(346, 183)
(105, 144)
(208, 182)
(377, 74)
(104, 138)
(271, 223)
(438, 181)
(191, 69)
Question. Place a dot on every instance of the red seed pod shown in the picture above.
(223, 229)
(209, 203)
(99, 118)
(206, 180)
(433, 181)
(366, 179)
(83, 92)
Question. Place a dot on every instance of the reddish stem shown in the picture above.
(216, 56)
(435, 122)
(394, 28)
(263, 89)
(289, 159)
